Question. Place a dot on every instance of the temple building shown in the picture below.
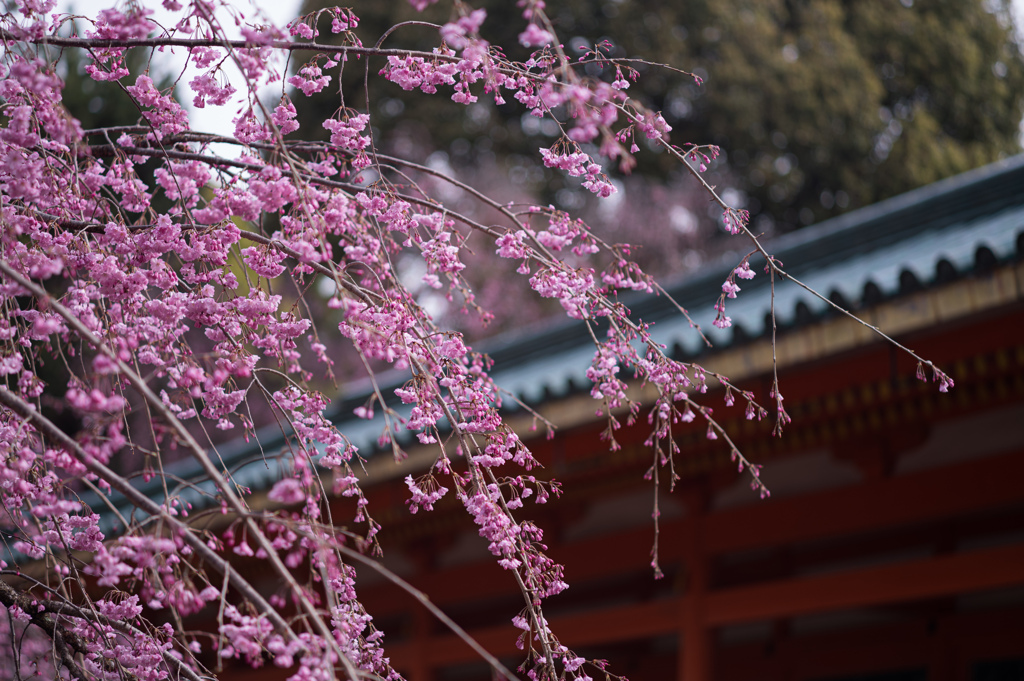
(892, 547)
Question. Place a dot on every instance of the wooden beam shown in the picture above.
(586, 628)
(906, 581)
(862, 650)
(936, 494)
(483, 580)
(944, 575)
(946, 492)
(696, 644)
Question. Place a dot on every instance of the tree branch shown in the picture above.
(66, 643)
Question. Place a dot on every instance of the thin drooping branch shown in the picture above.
(364, 295)
(342, 51)
(424, 600)
(57, 436)
(67, 644)
(60, 608)
(284, 45)
(197, 452)
(773, 263)
(215, 161)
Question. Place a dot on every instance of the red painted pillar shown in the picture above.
(419, 669)
(695, 642)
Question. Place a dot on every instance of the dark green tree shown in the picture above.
(94, 104)
(829, 103)
(821, 105)
(98, 104)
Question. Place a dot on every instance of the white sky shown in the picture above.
(212, 119)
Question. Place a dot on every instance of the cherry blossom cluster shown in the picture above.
(578, 164)
(729, 290)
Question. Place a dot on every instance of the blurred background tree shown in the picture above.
(96, 104)
(99, 104)
(820, 105)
